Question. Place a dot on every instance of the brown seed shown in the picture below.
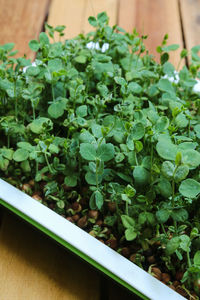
(82, 222)
(132, 257)
(156, 272)
(27, 188)
(112, 206)
(37, 197)
(52, 205)
(166, 277)
(76, 207)
(76, 217)
(102, 241)
(125, 251)
(70, 219)
(93, 214)
(172, 287)
(112, 243)
(179, 275)
(32, 182)
(99, 222)
(151, 259)
(176, 283)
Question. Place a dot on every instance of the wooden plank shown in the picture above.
(33, 267)
(154, 18)
(68, 13)
(74, 14)
(21, 21)
(190, 12)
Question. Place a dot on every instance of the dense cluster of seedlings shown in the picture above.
(108, 138)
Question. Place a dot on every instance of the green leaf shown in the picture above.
(56, 109)
(25, 166)
(99, 199)
(162, 124)
(40, 125)
(4, 163)
(189, 188)
(93, 21)
(102, 18)
(191, 158)
(88, 151)
(164, 187)
(181, 173)
(26, 146)
(130, 234)
(7, 153)
(127, 221)
(172, 47)
(134, 88)
(181, 120)
(81, 59)
(120, 80)
(165, 85)
(137, 131)
(106, 152)
(197, 258)
(71, 180)
(44, 40)
(180, 215)
(167, 169)
(20, 155)
(185, 242)
(162, 215)
(172, 245)
(166, 149)
(55, 65)
(34, 45)
(81, 111)
(141, 175)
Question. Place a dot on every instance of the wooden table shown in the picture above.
(32, 267)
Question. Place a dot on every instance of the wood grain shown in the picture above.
(33, 267)
(190, 11)
(21, 21)
(154, 18)
(74, 14)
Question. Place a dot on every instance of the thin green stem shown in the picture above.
(126, 208)
(188, 259)
(47, 161)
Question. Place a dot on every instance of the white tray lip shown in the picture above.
(88, 245)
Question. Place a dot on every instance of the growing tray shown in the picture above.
(84, 245)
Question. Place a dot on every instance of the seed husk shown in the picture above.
(99, 222)
(125, 251)
(156, 272)
(76, 217)
(112, 243)
(151, 259)
(82, 222)
(166, 277)
(37, 197)
(93, 214)
(76, 207)
(112, 206)
(27, 188)
(70, 219)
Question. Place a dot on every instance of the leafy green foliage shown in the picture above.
(96, 119)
